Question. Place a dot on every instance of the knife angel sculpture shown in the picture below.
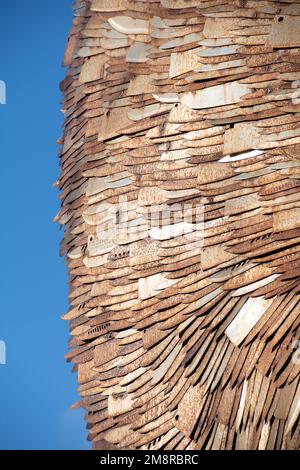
(179, 185)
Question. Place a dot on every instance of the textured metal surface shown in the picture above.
(180, 167)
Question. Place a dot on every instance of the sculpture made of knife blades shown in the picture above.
(180, 174)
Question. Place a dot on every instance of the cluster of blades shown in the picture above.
(180, 177)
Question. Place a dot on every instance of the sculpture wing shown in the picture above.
(180, 166)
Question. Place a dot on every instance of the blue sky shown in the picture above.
(36, 385)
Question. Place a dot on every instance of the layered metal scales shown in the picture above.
(179, 188)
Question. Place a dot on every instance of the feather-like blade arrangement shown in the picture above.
(179, 187)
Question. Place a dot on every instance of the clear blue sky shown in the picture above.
(36, 386)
